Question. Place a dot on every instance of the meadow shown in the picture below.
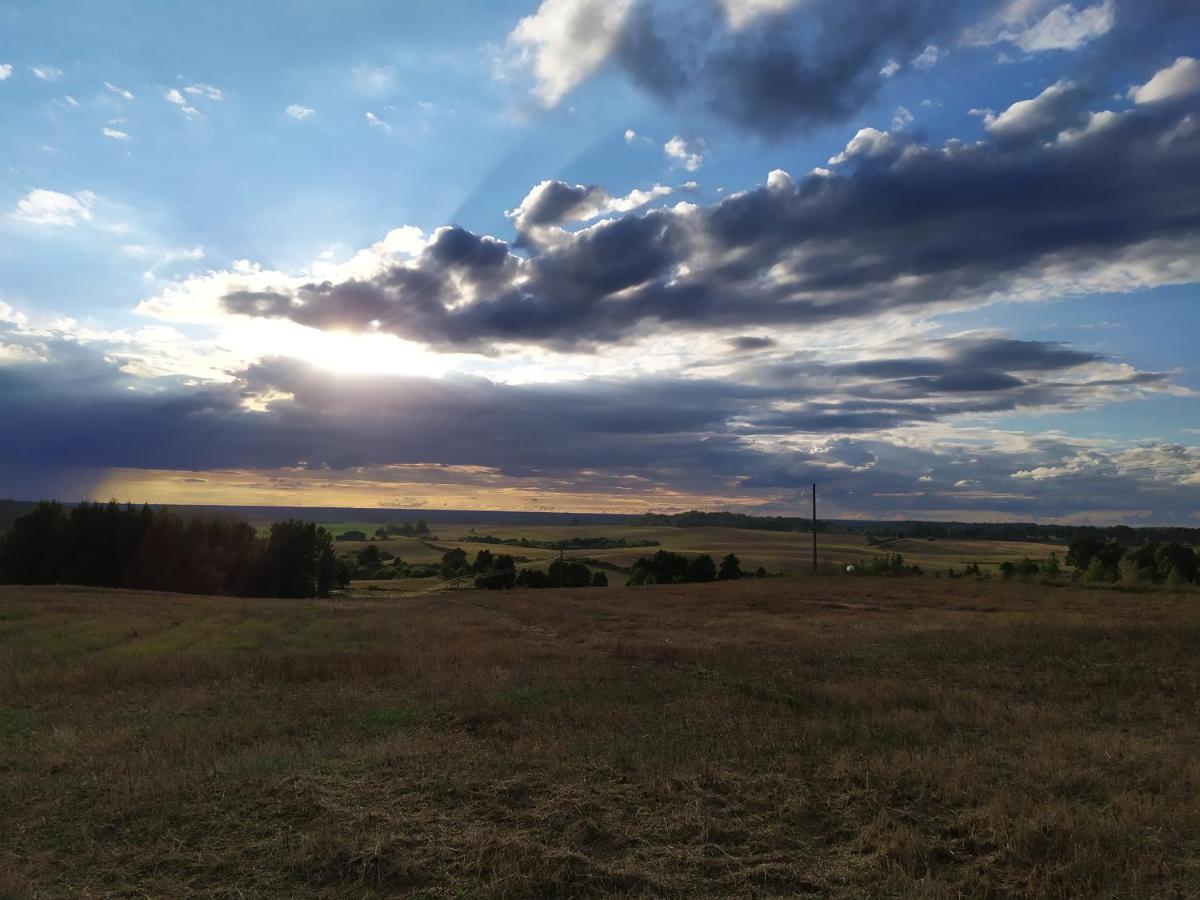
(776, 551)
(841, 737)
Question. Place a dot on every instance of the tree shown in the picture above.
(293, 560)
(1109, 558)
(1082, 550)
(328, 575)
(599, 579)
(483, 561)
(663, 567)
(500, 573)
(731, 568)
(369, 556)
(421, 527)
(532, 578)
(1177, 562)
(702, 568)
(454, 563)
(569, 573)
(32, 551)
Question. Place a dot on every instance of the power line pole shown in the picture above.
(814, 526)
(561, 549)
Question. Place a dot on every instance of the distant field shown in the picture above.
(775, 551)
(840, 737)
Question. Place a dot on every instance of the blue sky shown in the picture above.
(190, 197)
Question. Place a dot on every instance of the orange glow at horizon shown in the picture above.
(449, 488)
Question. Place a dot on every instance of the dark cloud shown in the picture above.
(556, 202)
(78, 410)
(813, 64)
(751, 342)
(820, 61)
(899, 226)
(970, 356)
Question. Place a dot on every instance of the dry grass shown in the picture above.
(824, 737)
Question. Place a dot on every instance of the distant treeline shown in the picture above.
(574, 543)
(984, 531)
(110, 545)
(698, 519)
(383, 532)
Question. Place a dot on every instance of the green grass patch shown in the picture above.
(381, 721)
(17, 726)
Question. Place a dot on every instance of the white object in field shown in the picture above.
(850, 569)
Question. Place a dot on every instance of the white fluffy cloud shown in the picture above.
(689, 154)
(43, 207)
(866, 142)
(927, 58)
(5, 71)
(183, 99)
(119, 91)
(298, 112)
(1033, 115)
(205, 90)
(566, 40)
(551, 204)
(115, 133)
(1034, 26)
(1179, 79)
(375, 122)
(174, 96)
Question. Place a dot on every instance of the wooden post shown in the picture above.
(814, 527)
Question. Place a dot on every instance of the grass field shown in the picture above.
(776, 551)
(820, 737)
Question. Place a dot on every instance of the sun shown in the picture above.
(335, 351)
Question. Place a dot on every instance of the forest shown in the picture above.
(126, 546)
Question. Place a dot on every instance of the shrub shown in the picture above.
(888, 564)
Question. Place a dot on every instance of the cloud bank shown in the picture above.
(1058, 201)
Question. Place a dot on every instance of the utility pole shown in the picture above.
(814, 527)
(561, 549)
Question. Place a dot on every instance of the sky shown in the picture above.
(941, 258)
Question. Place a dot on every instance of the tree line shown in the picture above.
(499, 572)
(992, 531)
(1100, 560)
(573, 543)
(126, 546)
(665, 567)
